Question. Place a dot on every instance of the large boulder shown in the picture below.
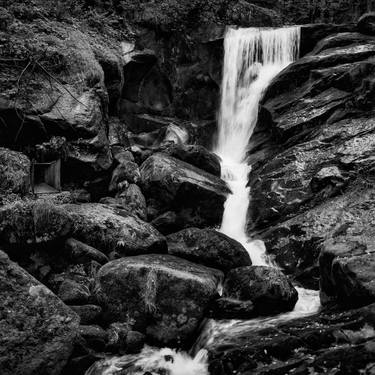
(30, 222)
(208, 247)
(14, 172)
(37, 331)
(175, 185)
(106, 228)
(114, 230)
(195, 155)
(161, 295)
(267, 287)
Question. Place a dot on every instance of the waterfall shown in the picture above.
(253, 57)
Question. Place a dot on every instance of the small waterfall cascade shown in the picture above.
(253, 57)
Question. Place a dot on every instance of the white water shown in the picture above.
(253, 57)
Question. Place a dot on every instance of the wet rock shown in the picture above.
(14, 172)
(117, 334)
(297, 242)
(161, 295)
(125, 172)
(31, 222)
(198, 196)
(366, 24)
(81, 196)
(229, 308)
(328, 179)
(72, 292)
(268, 288)
(82, 253)
(167, 223)
(320, 344)
(347, 270)
(123, 156)
(37, 330)
(208, 247)
(135, 342)
(94, 336)
(132, 199)
(112, 229)
(195, 155)
(88, 314)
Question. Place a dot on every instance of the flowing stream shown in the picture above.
(253, 57)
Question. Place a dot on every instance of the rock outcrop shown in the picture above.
(173, 185)
(38, 331)
(317, 126)
(161, 295)
(318, 344)
(208, 247)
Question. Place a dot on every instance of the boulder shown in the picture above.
(132, 199)
(167, 223)
(195, 155)
(103, 227)
(161, 295)
(37, 331)
(114, 230)
(82, 253)
(208, 247)
(230, 308)
(127, 171)
(88, 314)
(14, 172)
(347, 270)
(29, 222)
(366, 24)
(177, 186)
(95, 337)
(73, 292)
(268, 288)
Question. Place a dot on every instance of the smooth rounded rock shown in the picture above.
(267, 287)
(208, 247)
(161, 295)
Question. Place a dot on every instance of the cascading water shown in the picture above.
(253, 57)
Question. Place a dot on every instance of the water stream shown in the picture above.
(253, 57)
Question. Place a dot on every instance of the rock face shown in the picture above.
(318, 344)
(14, 172)
(317, 125)
(347, 269)
(162, 295)
(208, 247)
(175, 185)
(37, 330)
(267, 288)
